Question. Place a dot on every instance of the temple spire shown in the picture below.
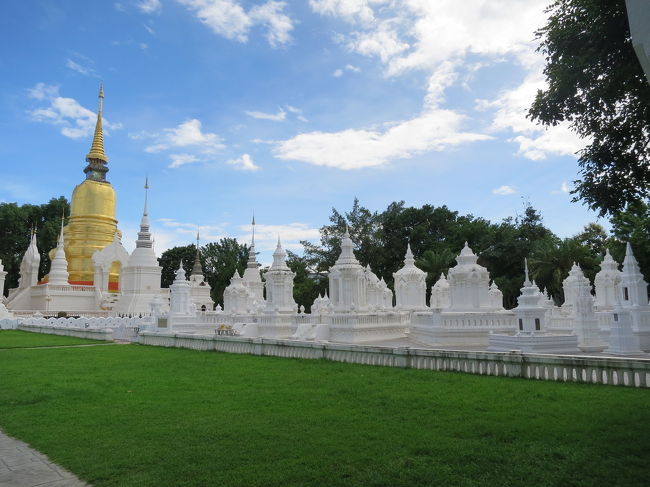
(96, 158)
(197, 270)
(146, 193)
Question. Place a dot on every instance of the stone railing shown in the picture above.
(472, 320)
(95, 334)
(568, 368)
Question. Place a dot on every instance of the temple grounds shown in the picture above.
(132, 415)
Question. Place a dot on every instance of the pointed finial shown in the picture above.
(253, 223)
(347, 231)
(279, 245)
(97, 147)
(146, 193)
(527, 279)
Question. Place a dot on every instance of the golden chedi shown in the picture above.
(92, 224)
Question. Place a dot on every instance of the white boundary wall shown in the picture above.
(569, 368)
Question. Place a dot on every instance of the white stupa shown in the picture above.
(606, 283)
(347, 280)
(410, 285)
(251, 278)
(59, 267)
(140, 279)
(469, 284)
(279, 284)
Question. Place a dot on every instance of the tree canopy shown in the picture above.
(16, 223)
(595, 83)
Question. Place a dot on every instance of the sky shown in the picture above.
(284, 110)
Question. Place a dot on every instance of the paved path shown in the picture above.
(22, 466)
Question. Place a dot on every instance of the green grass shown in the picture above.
(24, 339)
(148, 416)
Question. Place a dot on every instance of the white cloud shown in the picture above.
(348, 67)
(424, 35)
(350, 10)
(275, 117)
(266, 236)
(504, 190)
(178, 160)
(564, 187)
(228, 18)
(434, 129)
(75, 120)
(187, 134)
(535, 142)
(149, 29)
(297, 112)
(149, 6)
(279, 25)
(85, 70)
(243, 163)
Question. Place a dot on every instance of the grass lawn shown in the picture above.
(25, 339)
(148, 416)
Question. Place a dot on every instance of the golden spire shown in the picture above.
(97, 147)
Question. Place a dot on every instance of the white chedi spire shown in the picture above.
(410, 284)
(252, 279)
(279, 258)
(144, 236)
(531, 296)
(633, 287)
(347, 256)
(606, 282)
(59, 267)
(279, 284)
(29, 265)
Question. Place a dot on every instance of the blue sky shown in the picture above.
(284, 109)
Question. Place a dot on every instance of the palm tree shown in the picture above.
(550, 263)
(434, 264)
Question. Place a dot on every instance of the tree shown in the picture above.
(434, 264)
(220, 261)
(16, 223)
(633, 225)
(550, 264)
(595, 237)
(306, 286)
(595, 83)
(170, 260)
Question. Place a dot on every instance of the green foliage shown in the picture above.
(595, 83)
(16, 223)
(129, 415)
(218, 259)
(171, 259)
(436, 235)
(550, 263)
(633, 225)
(307, 285)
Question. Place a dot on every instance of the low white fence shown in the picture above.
(95, 334)
(598, 370)
(98, 328)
